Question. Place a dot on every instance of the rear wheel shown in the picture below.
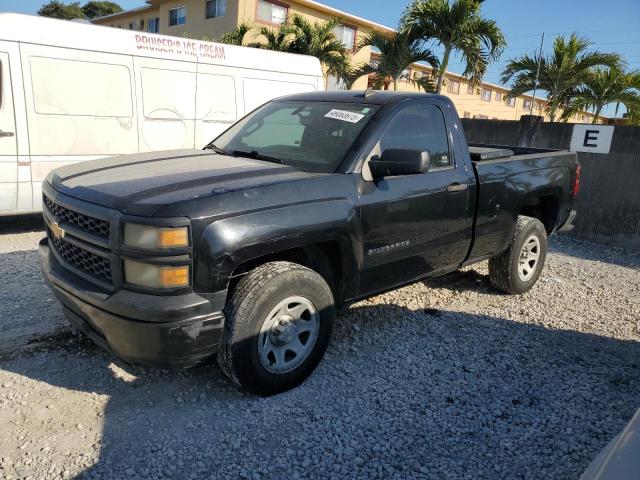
(517, 269)
(279, 320)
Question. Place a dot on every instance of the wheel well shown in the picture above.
(324, 258)
(543, 208)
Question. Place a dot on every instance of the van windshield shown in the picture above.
(311, 136)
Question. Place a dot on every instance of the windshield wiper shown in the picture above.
(218, 150)
(255, 155)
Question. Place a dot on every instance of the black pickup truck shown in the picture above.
(248, 247)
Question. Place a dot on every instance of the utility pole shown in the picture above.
(535, 87)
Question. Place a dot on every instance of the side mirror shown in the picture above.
(397, 161)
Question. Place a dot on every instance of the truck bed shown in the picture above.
(507, 176)
(481, 152)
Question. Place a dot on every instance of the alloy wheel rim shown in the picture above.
(288, 335)
(529, 258)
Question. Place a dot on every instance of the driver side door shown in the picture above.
(414, 225)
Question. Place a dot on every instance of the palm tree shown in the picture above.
(278, 40)
(318, 40)
(604, 87)
(561, 73)
(237, 35)
(458, 27)
(397, 54)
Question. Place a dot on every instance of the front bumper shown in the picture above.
(172, 331)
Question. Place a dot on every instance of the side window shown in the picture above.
(420, 127)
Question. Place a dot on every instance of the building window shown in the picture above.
(153, 25)
(216, 8)
(177, 16)
(526, 104)
(453, 86)
(486, 95)
(132, 26)
(470, 89)
(511, 102)
(347, 35)
(499, 96)
(271, 12)
(467, 115)
(142, 25)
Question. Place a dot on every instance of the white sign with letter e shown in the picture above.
(591, 138)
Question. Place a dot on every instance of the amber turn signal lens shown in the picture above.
(173, 237)
(172, 277)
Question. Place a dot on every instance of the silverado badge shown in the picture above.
(57, 231)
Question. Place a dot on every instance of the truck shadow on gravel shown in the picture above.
(21, 223)
(412, 394)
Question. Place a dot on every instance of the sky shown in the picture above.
(612, 25)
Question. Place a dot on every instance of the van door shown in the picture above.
(8, 140)
(166, 96)
(217, 98)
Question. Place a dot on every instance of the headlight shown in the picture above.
(155, 276)
(148, 237)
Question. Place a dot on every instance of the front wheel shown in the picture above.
(279, 320)
(517, 269)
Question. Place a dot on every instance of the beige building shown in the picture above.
(213, 18)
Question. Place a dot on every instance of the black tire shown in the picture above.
(504, 269)
(253, 298)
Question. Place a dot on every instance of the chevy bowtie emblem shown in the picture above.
(57, 231)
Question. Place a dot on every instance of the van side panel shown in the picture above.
(124, 92)
(166, 91)
(79, 105)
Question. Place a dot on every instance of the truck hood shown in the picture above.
(140, 184)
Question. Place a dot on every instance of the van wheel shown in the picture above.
(279, 320)
(517, 269)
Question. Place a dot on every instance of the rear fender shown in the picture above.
(528, 188)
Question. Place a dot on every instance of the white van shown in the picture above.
(71, 92)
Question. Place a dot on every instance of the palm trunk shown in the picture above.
(596, 116)
(395, 83)
(552, 111)
(443, 69)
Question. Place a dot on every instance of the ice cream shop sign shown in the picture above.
(180, 46)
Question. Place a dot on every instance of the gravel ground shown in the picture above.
(443, 379)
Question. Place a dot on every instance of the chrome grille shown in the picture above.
(86, 223)
(94, 265)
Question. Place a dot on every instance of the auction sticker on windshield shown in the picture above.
(345, 116)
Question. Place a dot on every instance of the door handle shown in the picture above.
(6, 134)
(457, 187)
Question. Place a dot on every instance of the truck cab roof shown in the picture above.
(372, 97)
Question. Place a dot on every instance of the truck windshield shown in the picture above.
(311, 136)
